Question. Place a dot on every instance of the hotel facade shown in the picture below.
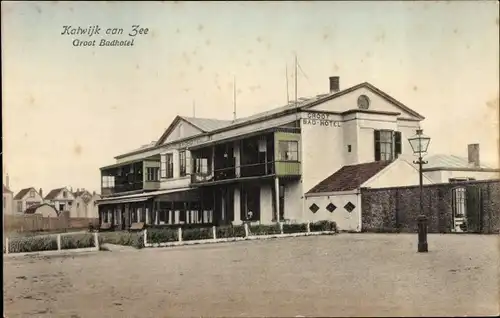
(301, 162)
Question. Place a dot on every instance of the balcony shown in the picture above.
(274, 153)
(269, 169)
(132, 176)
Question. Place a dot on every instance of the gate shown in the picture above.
(466, 209)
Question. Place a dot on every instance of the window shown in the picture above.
(152, 174)
(288, 150)
(65, 195)
(170, 165)
(32, 193)
(4, 202)
(182, 163)
(387, 144)
(108, 182)
(163, 166)
(20, 206)
(201, 165)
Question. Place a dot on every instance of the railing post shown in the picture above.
(6, 245)
(96, 240)
(281, 227)
(58, 242)
(245, 225)
(145, 237)
(214, 232)
(308, 226)
(180, 234)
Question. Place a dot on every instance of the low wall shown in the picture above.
(397, 209)
(36, 222)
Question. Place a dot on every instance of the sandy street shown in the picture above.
(342, 275)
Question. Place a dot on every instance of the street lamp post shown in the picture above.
(419, 144)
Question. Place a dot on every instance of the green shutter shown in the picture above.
(397, 143)
(376, 140)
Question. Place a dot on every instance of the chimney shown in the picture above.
(93, 193)
(473, 154)
(77, 189)
(7, 181)
(334, 84)
(41, 192)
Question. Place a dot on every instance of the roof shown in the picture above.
(32, 209)
(53, 194)
(207, 124)
(6, 190)
(212, 125)
(23, 192)
(451, 161)
(79, 193)
(349, 177)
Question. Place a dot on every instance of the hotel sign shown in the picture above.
(320, 119)
(192, 142)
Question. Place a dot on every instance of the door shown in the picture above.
(473, 209)
(466, 209)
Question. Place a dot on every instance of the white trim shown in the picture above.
(146, 194)
(322, 194)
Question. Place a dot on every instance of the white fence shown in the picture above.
(59, 245)
(248, 236)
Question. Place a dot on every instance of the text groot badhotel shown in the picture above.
(216, 171)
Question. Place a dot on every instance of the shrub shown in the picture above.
(294, 228)
(77, 241)
(162, 235)
(134, 239)
(323, 226)
(197, 234)
(32, 244)
(264, 229)
(230, 231)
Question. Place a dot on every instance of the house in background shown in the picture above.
(8, 199)
(85, 204)
(44, 209)
(450, 168)
(62, 199)
(26, 198)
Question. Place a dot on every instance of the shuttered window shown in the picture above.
(387, 144)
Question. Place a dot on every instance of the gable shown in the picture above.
(399, 173)
(60, 194)
(25, 194)
(378, 101)
(178, 129)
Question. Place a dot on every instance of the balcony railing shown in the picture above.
(117, 188)
(249, 170)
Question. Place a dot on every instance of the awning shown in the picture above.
(141, 197)
(122, 200)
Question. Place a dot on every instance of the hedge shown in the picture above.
(197, 234)
(264, 229)
(294, 228)
(77, 241)
(230, 231)
(32, 244)
(323, 226)
(134, 239)
(162, 235)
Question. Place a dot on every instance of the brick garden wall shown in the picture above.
(396, 209)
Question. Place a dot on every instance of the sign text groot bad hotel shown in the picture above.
(320, 119)
(85, 37)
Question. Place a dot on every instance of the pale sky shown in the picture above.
(69, 110)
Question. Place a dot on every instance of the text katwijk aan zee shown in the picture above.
(89, 36)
